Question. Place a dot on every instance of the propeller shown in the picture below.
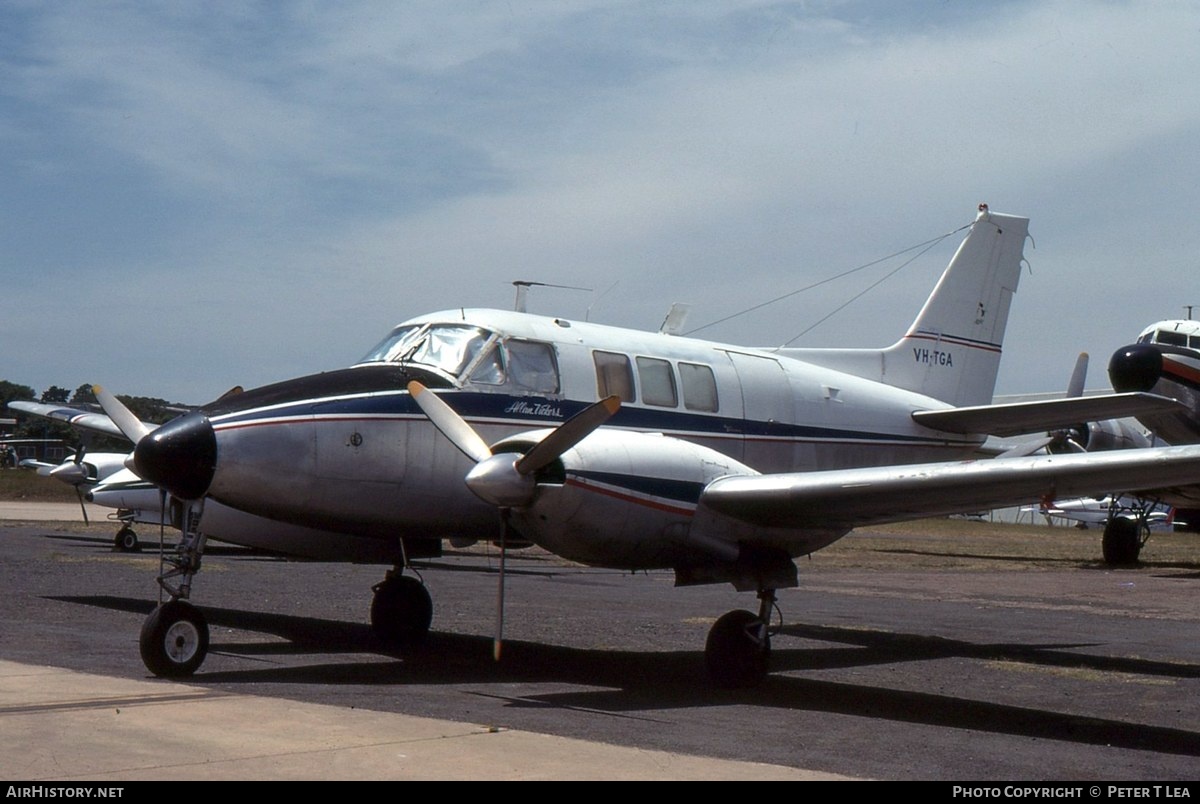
(1067, 439)
(506, 479)
(1074, 438)
(124, 418)
(74, 474)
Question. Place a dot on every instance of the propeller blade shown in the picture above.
(1027, 448)
(451, 425)
(82, 507)
(1078, 377)
(122, 417)
(568, 434)
(498, 639)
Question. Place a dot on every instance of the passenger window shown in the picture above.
(657, 381)
(531, 366)
(699, 387)
(613, 375)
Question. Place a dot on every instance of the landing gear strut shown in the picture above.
(738, 650)
(174, 638)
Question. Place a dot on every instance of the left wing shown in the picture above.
(85, 419)
(850, 498)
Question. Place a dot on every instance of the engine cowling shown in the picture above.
(623, 499)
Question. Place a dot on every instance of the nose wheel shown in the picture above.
(126, 541)
(174, 639)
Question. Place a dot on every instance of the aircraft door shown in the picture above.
(767, 412)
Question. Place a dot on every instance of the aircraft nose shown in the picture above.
(180, 456)
(1135, 368)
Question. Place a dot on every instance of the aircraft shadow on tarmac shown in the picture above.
(641, 681)
(1068, 562)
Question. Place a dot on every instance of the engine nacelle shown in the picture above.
(625, 500)
(1104, 435)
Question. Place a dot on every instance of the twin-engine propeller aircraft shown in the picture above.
(630, 450)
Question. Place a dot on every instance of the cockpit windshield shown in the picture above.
(394, 344)
(472, 356)
(449, 348)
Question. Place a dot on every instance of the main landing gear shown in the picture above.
(401, 610)
(126, 540)
(1123, 540)
(738, 650)
(1126, 531)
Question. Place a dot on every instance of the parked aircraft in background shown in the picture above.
(630, 450)
(1087, 511)
(1165, 360)
(102, 478)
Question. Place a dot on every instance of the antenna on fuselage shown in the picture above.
(523, 286)
(1189, 307)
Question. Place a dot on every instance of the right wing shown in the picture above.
(850, 498)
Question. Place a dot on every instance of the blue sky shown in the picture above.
(201, 195)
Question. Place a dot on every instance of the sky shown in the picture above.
(197, 195)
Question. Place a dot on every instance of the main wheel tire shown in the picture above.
(401, 610)
(736, 658)
(126, 541)
(174, 639)
(1122, 541)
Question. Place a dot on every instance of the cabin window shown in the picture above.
(699, 387)
(613, 375)
(657, 382)
(531, 366)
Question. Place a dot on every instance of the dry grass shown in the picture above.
(928, 543)
(26, 485)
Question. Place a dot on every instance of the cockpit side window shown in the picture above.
(613, 375)
(489, 368)
(1171, 338)
(531, 366)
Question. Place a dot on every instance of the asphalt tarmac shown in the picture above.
(900, 670)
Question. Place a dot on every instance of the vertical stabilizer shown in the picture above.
(952, 351)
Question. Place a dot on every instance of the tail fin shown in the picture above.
(952, 351)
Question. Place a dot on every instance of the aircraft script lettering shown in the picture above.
(538, 409)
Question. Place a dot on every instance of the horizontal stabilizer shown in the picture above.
(1030, 417)
(850, 498)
